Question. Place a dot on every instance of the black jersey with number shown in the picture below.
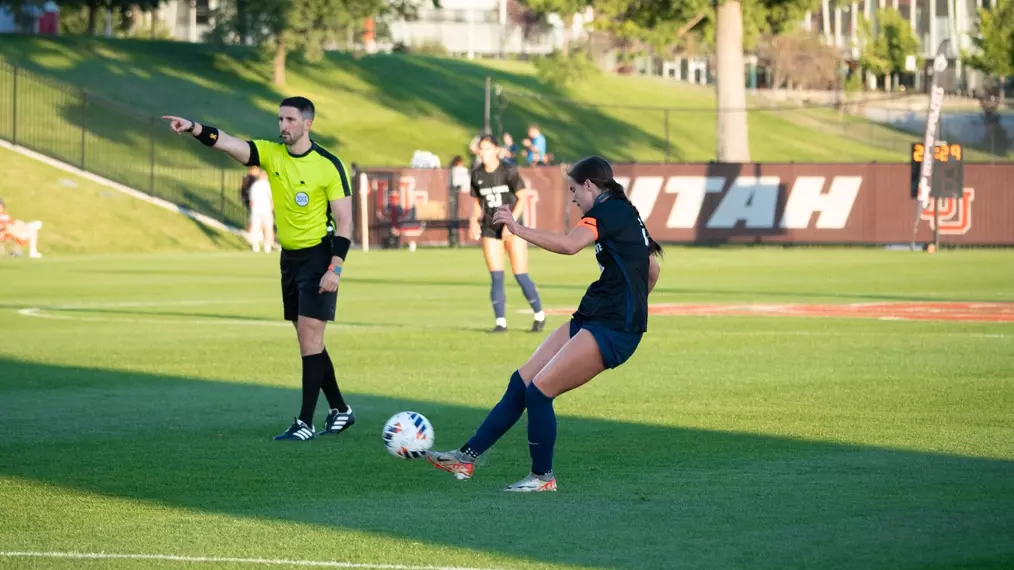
(619, 298)
(495, 189)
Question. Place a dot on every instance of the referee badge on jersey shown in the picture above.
(302, 199)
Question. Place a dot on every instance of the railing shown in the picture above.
(116, 142)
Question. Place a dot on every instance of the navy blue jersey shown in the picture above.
(619, 298)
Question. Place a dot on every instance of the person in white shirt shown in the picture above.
(262, 219)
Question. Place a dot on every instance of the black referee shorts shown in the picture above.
(302, 270)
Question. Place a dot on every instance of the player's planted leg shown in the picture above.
(541, 440)
(532, 294)
(311, 345)
(498, 296)
(340, 417)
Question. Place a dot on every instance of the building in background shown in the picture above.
(187, 20)
(485, 28)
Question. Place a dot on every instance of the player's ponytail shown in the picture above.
(598, 170)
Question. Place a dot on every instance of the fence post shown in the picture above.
(221, 205)
(151, 157)
(667, 135)
(84, 125)
(486, 107)
(14, 109)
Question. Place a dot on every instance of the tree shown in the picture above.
(734, 25)
(994, 42)
(566, 9)
(303, 26)
(994, 56)
(885, 51)
(802, 60)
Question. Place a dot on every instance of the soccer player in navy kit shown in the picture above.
(494, 184)
(603, 333)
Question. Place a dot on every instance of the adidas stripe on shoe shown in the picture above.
(338, 422)
(298, 431)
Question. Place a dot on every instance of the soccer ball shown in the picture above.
(408, 435)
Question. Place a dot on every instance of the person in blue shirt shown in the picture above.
(536, 144)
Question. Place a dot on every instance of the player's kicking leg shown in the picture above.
(503, 416)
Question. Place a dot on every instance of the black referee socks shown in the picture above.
(330, 385)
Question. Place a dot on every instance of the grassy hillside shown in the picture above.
(80, 216)
(378, 109)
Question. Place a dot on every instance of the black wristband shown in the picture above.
(340, 246)
(208, 136)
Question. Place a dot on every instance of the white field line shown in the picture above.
(224, 560)
(208, 221)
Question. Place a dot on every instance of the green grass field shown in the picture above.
(139, 395)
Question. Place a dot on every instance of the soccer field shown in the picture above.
(139, 395)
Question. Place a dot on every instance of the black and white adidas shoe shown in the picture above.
(338, 422)
(298, 431)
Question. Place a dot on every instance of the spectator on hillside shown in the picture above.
(536, 145)
(20, 232)
(509, 150)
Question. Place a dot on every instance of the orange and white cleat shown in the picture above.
(453, 462)
(533, 484)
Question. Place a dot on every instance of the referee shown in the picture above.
(310, 189)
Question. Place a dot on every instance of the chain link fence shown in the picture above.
(837, 128)
(116, 142)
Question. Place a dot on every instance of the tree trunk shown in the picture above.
(136, 19)
(154, 23)
(825, 17)
(93, 10)
(733, 144)
(278, 67)
(241, 23)
(568, 21)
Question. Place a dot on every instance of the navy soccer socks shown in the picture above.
(500, 419)
(531, 293)
(498, 295)
(541, 429)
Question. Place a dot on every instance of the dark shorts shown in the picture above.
(615, 346)
(488, 231)
(302, 270)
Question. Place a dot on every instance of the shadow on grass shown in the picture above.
(632, 495)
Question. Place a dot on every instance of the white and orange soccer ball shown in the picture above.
(408, 435)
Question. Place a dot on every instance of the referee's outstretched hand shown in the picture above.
(178, 124)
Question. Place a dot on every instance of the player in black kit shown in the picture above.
(496, 184)
(603, 333)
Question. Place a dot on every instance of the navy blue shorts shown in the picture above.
(616, 346)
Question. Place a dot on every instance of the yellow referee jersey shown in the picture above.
(301, 187)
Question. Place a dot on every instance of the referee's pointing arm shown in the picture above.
(211, 136)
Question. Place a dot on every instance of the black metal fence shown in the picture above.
(117, 142)
(878, 123)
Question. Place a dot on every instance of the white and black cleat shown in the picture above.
(298, 431)
(337, 422)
